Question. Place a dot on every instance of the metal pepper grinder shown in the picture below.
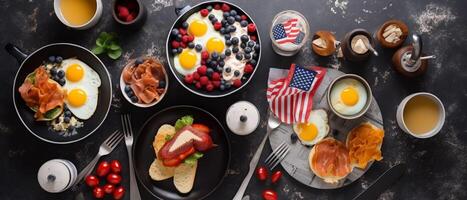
(409, 61)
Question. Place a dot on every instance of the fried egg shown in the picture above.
(82, 88)
(204, 33)
(187, 61)
(348, 96)
(314, 130)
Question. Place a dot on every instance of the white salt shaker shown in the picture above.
(242, 118)
(57, 175)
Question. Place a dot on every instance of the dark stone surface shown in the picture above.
(436, 166)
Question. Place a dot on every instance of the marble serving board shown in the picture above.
(296, 161)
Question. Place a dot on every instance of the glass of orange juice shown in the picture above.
(78, 14)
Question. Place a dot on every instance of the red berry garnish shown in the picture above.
(216, 76)
(182, 31)
(203, 62)
(182, 44)
(248, 69)
(202, 70)
(204, 80)
(196, 76)
(175, 44)
(209, 87)
(204, 12)
(217, 26)
(251, 28)
(189, 78)
(198, 85)
(237, 83)
(225, 7)
(185, 38)
(243, 17)
(216, 84)
(253, 37)
(217, 6)
(123, 12)
(204, 55)
(191, 38)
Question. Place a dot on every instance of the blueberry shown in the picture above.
(247, 56)
(222, 56)
(224, 22)
(223, 30)
(221, 63)
(53, 72)
(257, 47)
(231, 20)
(227, 36)
(55, 78)
(174, 51)
(293, 138)
(52, 59)
(243, 45)
(58, 59)
(139, 61)
(208, 62)
(198, 48)
(211, 16)
(245, 38)
(222, 87)
(228, 42)
(67, 113)
(232, 28)
(238, 18)
(178, 38)
(235, 40)
(61, 82)
(213, 64)
(228, 85)
(191, 45)
(226, 14)
(215, 55)
(134, 99)
(185, 25)
(66, 119)
(209, 71)
(214, 20)
(219, 69)
(127, 88)
(130, 93)
(228, 69)
(255, 55)
(235, 50)
(228, 52)
(209, 8)
(237, 73)
(253, 62)
(61, 74)
(180, 49)
(233, 12)
(239, 56)
(247, 50)
(162, 84)
(244, 23)
(174, 32)
(251, 43)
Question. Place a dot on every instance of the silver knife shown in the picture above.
(383, 182)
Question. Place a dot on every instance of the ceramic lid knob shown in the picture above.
(56, 175)
(242, 118)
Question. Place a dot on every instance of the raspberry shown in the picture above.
(202, 70)
(204, 55)
(198, 85)
(217, 7)
(248, 69)
(123, 12)
(204, 80)
(251, 28)
(182, 31)
(203, 62)
(191, 38)
(189, 79)
(183, 45)
(209, 87)
(185, 39)
(253, 37)
(217, 26)
(204, 12)
(196, 76)
(243, 17)
(225, 7)
(237, 83)
(216, 84)
(175, 44)
(216, 76)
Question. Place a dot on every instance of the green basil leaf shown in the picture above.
(98, 50)
(114, 46)
(114, 54)
(184, 121)
(191, 160)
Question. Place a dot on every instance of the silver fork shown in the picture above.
(277, 156)
(106, 147)
(128, 131)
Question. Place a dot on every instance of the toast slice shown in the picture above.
(165, 131)
(184, 177)
(159, 172)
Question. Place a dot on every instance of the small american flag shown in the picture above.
(291, 98)
(288, 32)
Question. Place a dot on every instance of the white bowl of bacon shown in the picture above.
(144, 81)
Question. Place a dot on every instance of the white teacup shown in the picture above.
(93, 21)
(432, 132)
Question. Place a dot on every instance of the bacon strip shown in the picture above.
(144, 80)
(331, 158)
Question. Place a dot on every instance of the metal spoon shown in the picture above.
(371, 48)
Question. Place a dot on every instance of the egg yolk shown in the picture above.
(307, 131)
(74, 72)
(349, 96)
(187, 59)
(197, 28)
(215, 45)
(76, 97)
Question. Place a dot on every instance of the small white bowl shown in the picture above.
(434, 131)
(93, 21)
(142, 105)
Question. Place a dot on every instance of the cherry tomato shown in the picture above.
(92, 180)
(114, 178)
(103, 168)
(276, 176)
(115, 166)
(109, 188)
(119, 193)
(262, 173)
(269, 195)
(98, 193)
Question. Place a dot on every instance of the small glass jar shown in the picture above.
(289, 32)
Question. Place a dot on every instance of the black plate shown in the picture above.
(212, 167)
(34, 60)
(180, 77)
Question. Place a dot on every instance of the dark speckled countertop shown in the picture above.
(437, 167)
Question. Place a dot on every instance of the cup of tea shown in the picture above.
(78, 14)
(421, 115)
